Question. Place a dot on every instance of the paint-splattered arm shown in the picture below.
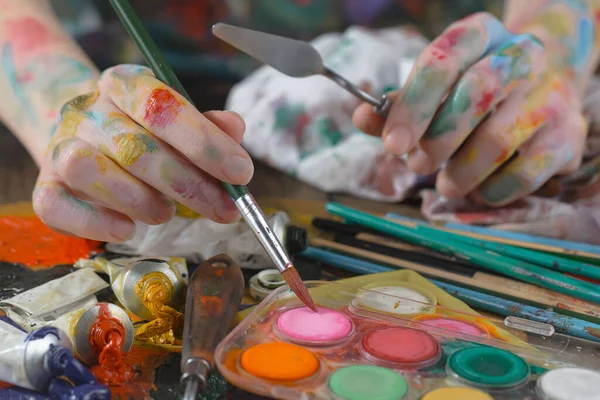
(41, 68)
(569, 30)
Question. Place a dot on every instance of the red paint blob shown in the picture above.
(161, 108)
(407, 347)
(27, 35)
(106, 339)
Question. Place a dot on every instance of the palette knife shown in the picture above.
(292, 57)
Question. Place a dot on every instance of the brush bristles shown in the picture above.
(294, 281)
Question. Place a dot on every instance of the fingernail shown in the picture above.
(238, 169)
(500, 189)
(397, 141)
(122, 229)
(164, 212)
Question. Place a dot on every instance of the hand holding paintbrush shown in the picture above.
(244, 201)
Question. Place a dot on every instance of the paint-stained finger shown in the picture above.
(549, 152)
(497, 139)
(171, 118)
(367, 120)
(155, 163)
(509, 72)
(230, 122)
(435, 72)
(60, 210)
(91, 175)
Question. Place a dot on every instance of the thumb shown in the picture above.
(367, 120)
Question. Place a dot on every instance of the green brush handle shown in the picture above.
(159, 66)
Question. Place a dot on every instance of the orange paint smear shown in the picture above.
(26, 240)
(211, 305)
(279, 361)
(161, 108)
(106, 339)
(142, 362)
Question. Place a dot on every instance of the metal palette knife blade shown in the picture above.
(289, 56)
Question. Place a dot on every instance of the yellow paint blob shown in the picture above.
(279, 361)
(183, 211)
(100, 187)
(155, 290)
(102, 163)
(130, 147)
(84, 153)
(457, 393)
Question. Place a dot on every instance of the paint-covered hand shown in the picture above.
(125, 151)
(488, 109)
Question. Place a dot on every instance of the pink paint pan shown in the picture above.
(323, 328)
(437, 322)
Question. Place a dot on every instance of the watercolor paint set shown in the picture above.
(391, 340)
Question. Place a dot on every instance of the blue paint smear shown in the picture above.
(496, 34)
(584, 45)
(9, 66)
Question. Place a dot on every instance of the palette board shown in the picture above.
(391, 341)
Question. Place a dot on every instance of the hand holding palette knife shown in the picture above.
(244, 201)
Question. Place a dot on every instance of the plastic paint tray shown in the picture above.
(440, 354)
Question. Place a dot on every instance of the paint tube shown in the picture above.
(200, 239)
(36, 360)
(151, 289)
(89, 329)
(41, 305)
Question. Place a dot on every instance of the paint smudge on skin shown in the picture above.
(431, 80)
(60, 147)
(100, 187)
(183, 211)
(106, 339)
(28, 35)
(451, 112)
(161, 108)
(182, 182)
(131, 146)
(155, 291)
(102, 163)
(10, 70)
(64, 193)
(26, 240)
(502, 188)
(81, 103)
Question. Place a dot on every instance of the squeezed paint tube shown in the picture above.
(36, 360)
(152, 289)
(41, 305)
(90, 328)
(127, 275)
(198, 239)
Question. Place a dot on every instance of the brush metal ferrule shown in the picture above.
(257, 221)
(195, 369)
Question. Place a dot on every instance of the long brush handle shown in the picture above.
(159, 65)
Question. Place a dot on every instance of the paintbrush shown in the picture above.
(292, 57)
(242, 198)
